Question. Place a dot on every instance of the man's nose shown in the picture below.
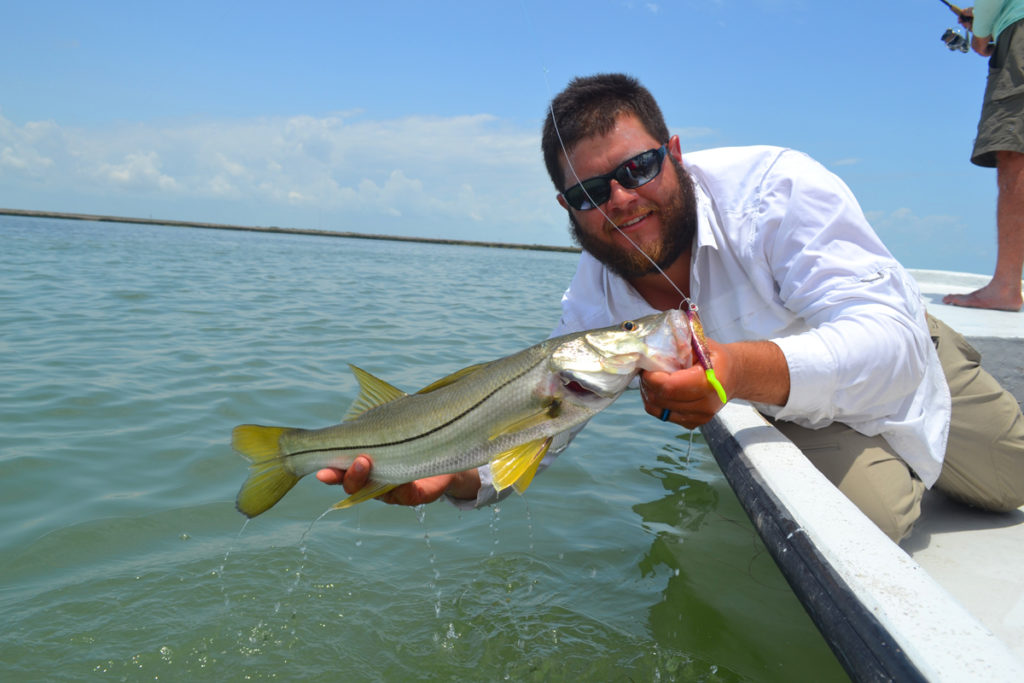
(619, 195)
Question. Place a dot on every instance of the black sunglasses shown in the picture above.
(631, 174)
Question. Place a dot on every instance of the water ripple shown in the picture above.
(127, 355)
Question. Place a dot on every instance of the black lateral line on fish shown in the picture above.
(438, 428)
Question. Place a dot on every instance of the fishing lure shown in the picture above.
(699, 343)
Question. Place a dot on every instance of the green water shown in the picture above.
(127, 354)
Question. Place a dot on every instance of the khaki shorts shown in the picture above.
(1001, 126)
(984, 462)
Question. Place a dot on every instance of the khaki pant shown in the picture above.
(984, 463)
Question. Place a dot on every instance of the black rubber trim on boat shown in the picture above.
(860, 642)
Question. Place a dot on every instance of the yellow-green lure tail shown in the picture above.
(700, 349)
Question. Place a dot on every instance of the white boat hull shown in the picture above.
(947, 604)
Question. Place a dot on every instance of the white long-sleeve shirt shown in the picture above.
(784, 253)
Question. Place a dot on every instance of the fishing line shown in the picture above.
(561, 143)
(699, 345)
(565, 152)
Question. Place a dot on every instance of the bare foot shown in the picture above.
(990, 297)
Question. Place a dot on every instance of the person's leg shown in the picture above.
(866, 470)
(1000, 144)
(984, 463)
(1003, 291)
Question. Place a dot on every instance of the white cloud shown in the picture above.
(931, 241)
(440, 176)
(904, 222)
(693, 132)
(137, 171)
(25, 150)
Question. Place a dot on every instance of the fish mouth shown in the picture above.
(601, 386)
(576, 388)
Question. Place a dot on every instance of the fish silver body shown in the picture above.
(503, 412)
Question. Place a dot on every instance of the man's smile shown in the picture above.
(632, 222)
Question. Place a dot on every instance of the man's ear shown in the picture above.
(675, 149)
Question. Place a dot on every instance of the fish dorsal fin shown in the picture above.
(452, 378)
(516, 466)
(373, 392)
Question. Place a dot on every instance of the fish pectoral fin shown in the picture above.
(517, 466)
(546, 414)
(373, 392)
(524, 481)
(269, 479)
(452, 378)
(371, 490)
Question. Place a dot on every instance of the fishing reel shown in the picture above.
(956, 40)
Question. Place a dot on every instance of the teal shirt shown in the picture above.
(992, 16)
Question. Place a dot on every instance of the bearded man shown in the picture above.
(809, 317)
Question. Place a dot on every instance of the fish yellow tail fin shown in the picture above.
(268, 478)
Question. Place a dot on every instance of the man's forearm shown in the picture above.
(754, 371)
(464, 485)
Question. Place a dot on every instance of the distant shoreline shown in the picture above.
(287, 231)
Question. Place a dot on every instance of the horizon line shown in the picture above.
(276, 229)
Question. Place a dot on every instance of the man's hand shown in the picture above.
(755, 371)
(983, 45)
(686, 393)
(460, 485)
(966, 18)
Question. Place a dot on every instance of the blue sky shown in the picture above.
(423, 118)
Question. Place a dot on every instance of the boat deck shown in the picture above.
(948, 533)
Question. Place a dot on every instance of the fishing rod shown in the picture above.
(698, 342)
(953, 8)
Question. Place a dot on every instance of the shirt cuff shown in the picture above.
(486, 495)
(812, 373)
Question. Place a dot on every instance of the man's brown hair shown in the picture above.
(589, 106)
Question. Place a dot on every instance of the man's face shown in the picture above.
(659, 217)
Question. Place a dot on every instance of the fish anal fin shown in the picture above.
(452, 378)
(517, 466)
(373, 392)
(269, 479)
(371, 490)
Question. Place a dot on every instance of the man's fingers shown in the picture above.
(353, 479)
(684, 397)
(329, 475)
(681, 386)
(418, 492)
(357, 474)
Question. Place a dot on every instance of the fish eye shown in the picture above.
(629, 326)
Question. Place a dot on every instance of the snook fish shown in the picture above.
(504, 412)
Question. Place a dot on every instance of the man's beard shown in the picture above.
(679, 221)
